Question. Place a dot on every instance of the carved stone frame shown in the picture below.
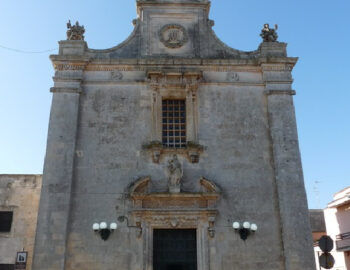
(175, 211)
(176, 220)
(175, 85)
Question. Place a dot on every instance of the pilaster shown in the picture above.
(154, 85)
(287, 166)
(54, 209)
(192, 85)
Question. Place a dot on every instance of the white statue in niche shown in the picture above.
(175, 174)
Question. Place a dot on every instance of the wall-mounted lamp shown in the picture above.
(103, 229)
(137, 227)
(245, 229)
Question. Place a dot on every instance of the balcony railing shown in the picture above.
(343, 242)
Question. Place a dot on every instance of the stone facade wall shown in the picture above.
(20, 194)
(104, 155)
(115, 123)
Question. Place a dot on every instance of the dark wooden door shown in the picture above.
(174, 249)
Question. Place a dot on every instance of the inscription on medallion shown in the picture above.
(173, 36)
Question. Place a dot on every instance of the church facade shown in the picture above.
(172, 151)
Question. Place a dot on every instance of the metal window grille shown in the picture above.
(5, 221)
(174, 123)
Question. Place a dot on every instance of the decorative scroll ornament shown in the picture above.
(173, 36)
(75, 32)
(232, 77)
(269, 34)
(116, 75)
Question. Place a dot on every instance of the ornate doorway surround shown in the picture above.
(182, 210)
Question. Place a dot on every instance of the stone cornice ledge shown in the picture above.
(185, 61)
(277, 63)
(278, 60)
(280, 92)
(74, 57)
(69, 62)
(77, 62)
(65, 90)
(64, 79)
(141, 3)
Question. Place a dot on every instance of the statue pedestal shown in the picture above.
(174, 189)
(273, 49)
(72, 47)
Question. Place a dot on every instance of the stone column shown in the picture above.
(55, 201)
(294, 216)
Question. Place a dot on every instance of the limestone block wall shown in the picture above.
(114, 123)
(20, 194)
(106, 125)
(248, 131)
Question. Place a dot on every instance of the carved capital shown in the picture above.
(154, 80)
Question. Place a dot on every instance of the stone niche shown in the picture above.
(184, 210)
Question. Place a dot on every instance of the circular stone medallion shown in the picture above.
(173, 35)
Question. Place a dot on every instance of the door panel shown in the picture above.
(174, 249)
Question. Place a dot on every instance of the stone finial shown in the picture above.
(75, 32)
(269, 34)
(175, 174)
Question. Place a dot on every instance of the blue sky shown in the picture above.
(316, 31)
